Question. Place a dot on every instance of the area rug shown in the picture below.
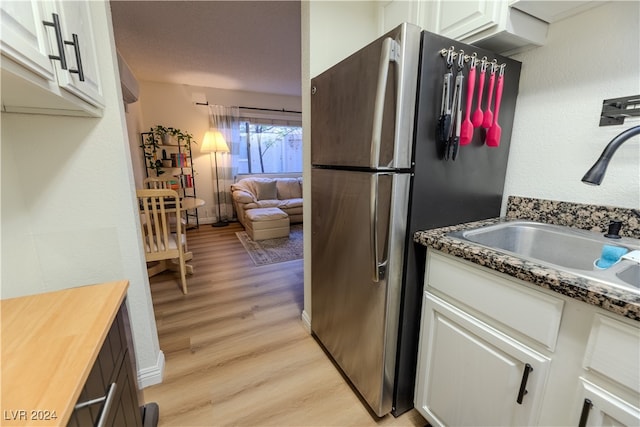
(271, 251)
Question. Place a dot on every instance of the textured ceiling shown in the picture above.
(240, 45)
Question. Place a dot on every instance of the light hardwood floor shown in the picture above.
(236, 350)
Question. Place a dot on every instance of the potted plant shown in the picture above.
(169, 134)
(158, 137)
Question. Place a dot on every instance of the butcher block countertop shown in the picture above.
(50, 342)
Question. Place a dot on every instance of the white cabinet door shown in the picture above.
(472, 374)
(23, 39)
(82, 77)
(599, 407)
(460, 19)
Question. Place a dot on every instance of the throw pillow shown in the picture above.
(266, 190)
(288, 188)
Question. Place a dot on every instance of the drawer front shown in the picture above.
(113, 365)
(532, 313)
(613, 350)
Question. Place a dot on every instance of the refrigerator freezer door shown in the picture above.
(362, 108)
(355, 294)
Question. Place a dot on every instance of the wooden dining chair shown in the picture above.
(167, 182)
(158, 182)
(163, 241)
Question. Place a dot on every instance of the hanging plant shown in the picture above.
(150, 147)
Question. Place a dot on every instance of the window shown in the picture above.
(269, 144)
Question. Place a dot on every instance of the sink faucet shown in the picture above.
(595, 175)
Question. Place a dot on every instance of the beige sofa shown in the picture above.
(273, 191)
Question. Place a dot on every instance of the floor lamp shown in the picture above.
(215, 143)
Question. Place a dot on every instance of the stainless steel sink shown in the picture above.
(563, 248)
(630, 275)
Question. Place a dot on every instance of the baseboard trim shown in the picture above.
(153, 375)
(306, 321)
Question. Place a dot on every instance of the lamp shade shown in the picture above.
(214, 142)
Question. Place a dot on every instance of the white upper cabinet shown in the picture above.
(49, 59)
(82, 76)
(554, 10)
(503, 26)
(493, 25)
(461, 19)
(23, 39)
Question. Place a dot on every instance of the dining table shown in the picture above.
(190, 203)
(186, 204)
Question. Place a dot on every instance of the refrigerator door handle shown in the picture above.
(389, 53)
(379, 267)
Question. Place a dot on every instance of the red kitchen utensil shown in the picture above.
(478, 115)
(495, 131)
(466, 128)
(487, 120)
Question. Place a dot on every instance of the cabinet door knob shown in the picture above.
(523, 384)
(56, 26)
(76, 47)
(586, 407)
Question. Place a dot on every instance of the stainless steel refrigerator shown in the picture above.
(380, 174)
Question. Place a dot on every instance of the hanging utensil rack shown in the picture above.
(453, 55)
(449, 121)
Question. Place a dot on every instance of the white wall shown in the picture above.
(337, 29)
(330, 31)
(556, 138)
(69, 216)
(173, 105)
(133, 116)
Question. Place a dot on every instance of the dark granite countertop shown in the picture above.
(610, 298)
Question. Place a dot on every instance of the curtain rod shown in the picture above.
(270, 109)
(259, 109)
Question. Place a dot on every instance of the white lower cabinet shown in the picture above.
(495, 350)
(472, 374)
(610, 381)
(599, 407)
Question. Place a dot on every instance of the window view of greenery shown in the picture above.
(269, 148)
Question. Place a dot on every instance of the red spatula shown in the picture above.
(487, 120)
(466, 128)
(478, 115)
(495, 131)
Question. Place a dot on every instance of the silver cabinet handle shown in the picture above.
(379, 267)
(388, 54)
(76, 47)
(106, 408)
(56, 26)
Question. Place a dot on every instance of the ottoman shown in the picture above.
(267, 223)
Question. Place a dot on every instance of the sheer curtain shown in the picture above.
(226, 120)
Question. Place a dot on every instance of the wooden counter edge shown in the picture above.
(16, 320)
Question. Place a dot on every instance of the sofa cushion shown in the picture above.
(242, 196)
(266, 189)
(288, 188)
(273, 203)
(290, 203)
(265, 214)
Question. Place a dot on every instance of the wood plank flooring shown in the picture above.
(236, 351)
